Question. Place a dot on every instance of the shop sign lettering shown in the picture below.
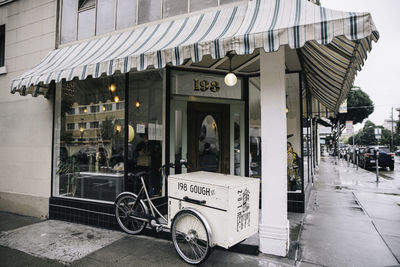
(205, 85)
(243, 209)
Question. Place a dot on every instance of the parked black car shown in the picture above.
(386, 159)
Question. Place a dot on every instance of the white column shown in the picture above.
(274, 226)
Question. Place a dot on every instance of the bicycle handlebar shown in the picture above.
(181, 162)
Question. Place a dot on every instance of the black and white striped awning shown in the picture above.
(333, 45)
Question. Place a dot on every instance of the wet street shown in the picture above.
(391, 175)
(351, 219)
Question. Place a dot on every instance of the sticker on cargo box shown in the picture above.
(243, 209)
(196, 189)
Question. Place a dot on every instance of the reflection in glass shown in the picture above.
(294, 138)
(89, 148)
(178, 140)
(236, 119)
(145, 148)
(209, 145)
(255, 127)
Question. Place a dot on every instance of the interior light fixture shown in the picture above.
(112, 87)
(104, 108)
(116, 99)
(230, 77)
(287, 109)
(117, 128)
(137, 103)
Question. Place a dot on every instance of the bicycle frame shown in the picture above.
(151, 206)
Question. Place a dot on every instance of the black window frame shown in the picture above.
(2, 44)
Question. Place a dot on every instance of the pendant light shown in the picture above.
(230, 77)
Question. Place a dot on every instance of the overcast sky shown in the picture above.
(380, 76)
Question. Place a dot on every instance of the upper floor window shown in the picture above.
(107, 107)
(82, 19)
(94, 124)
(2, 43)
(82, 110)
(120, 105)
(94, 109)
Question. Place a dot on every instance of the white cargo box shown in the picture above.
(229, 203)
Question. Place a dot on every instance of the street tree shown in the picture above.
(359, 107)
(366, 136)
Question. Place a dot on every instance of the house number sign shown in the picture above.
(205, 85)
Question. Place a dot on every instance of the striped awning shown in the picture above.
(333, 45)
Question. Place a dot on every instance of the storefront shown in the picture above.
(134, 100)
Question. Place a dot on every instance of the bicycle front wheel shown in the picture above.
(190, 237)
(131, 214)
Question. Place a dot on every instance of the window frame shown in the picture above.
(2, 45)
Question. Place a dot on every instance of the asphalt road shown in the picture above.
(389, 175)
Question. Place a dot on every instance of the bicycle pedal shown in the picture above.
(159, 228)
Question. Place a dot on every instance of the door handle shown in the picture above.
(194, 201)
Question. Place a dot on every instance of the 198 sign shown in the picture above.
(205, 85)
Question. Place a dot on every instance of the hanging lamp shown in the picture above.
(230, 77)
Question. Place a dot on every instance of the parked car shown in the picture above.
(386, 159)
(397, 152)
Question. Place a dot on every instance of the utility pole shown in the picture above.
(391, 143)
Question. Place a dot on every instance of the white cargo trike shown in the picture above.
(204, 210)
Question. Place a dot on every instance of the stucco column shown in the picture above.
(274, 226)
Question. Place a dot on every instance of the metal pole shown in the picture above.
(357, 160)
(337, 143)
(354, 151)
(391, 144)
(377, 165)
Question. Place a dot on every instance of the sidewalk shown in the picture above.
(58, 243)
(351, 220)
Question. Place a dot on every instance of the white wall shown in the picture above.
(25, 122)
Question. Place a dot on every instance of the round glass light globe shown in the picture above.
(230, 79)
(116, 99)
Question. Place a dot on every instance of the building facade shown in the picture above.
(130, 85)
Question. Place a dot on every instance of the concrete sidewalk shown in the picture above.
(58, 243)
(351, 220)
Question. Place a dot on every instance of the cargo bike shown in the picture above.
(204, 210)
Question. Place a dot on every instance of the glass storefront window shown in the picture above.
(293, 125)
(254, 128)
(146, 130)
(89, 157)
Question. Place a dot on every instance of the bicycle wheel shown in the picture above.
(190, 237)
(125, 210)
